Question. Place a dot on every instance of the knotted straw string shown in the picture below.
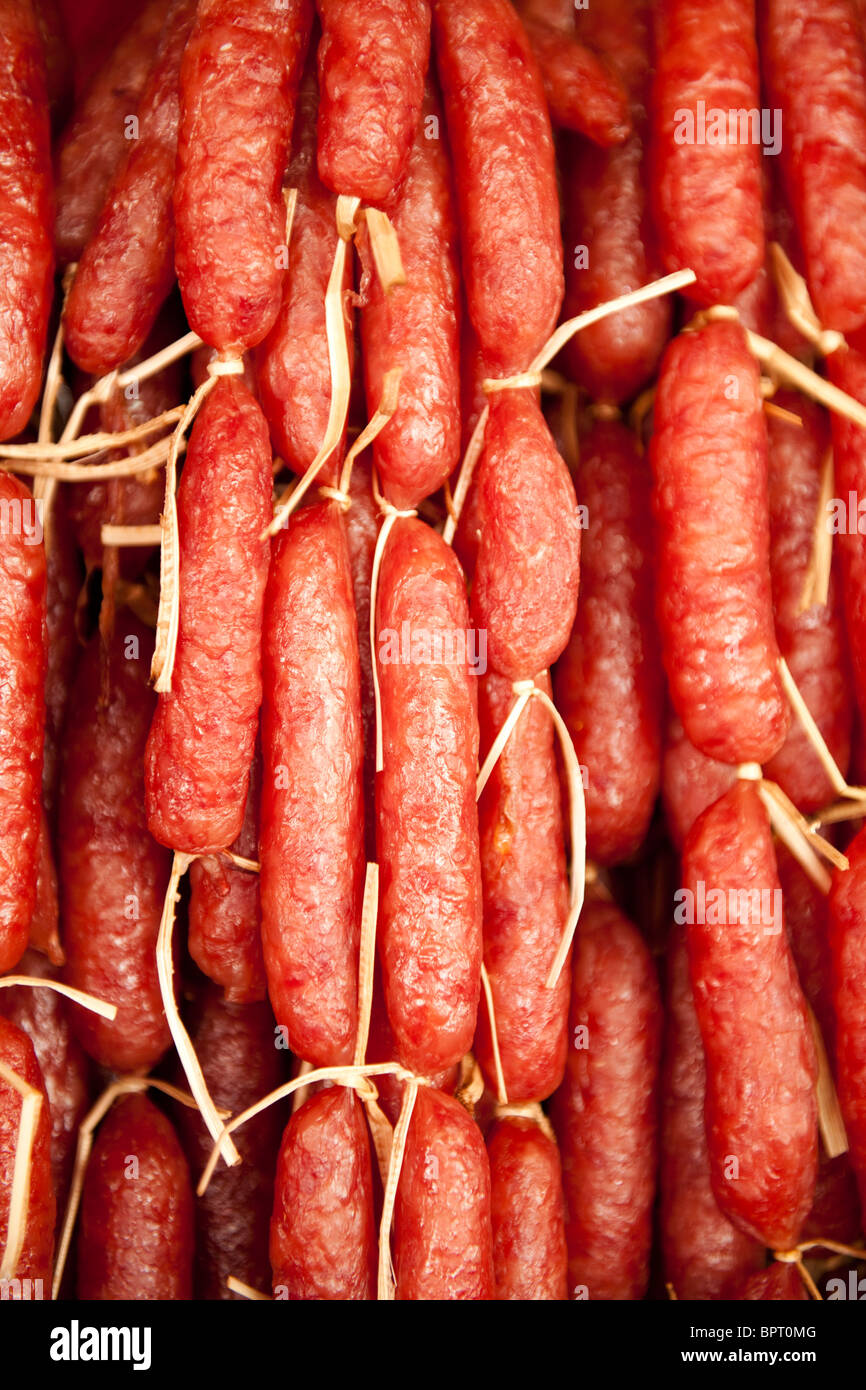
(391, 515)
(798, 306)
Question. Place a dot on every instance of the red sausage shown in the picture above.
(444, 1239)
(235, 1043)
(690, 781)
(312, 816)
(778, 1283)
(847, 521)
(127, 267)
(702, 1250)
(93, 143)
(604, 1112)
(26, 215)
(112, 875)
(225, 939)
(197, 765)
(706, 63)
(524, 593)
(504, 170)
(37, 1251)
(362, 527)
(323, 1228)
(526, 899)
(815, 70)
(610, 243)
(812, 642)
(529, 1255)
(63, 579)
(238, 84)
(760, 1106)
(293, 364)
(427, 821)
(417, 327)
(372, 58)
(709, 458)
(135, 1239)
(582, 93)
(22, 711)
(608, 682)
(847, 937)
(44, 1016)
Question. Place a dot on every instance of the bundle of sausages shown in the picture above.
(455, 632)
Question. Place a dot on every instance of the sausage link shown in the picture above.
(812, 642)
(760, 1106)
(707, 62)
(582, 92)
(416, 327)
(312, 815)
(709, 458)
(778, 1283)
(235, 1043)
(323, 1228)
(362, 527)
(444, 1236)
(604, 1112)
(127, 267)
(112, 875)
(847, 937)
(815, 70)
(530, 1259)
(702, 1250)
(524, 593)
(26, 215)
(502, 150)
(22, 711)
(238, 84)
(526, 899)
(427, 820)
(197, 765)
(93, 143)
(37, 1251)
(690, 781)
(135, 1239)
(847, 370)
(608, 682)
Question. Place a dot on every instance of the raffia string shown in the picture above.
(530, 1110)
(816, 585)
(246, 1290)
(391, 515)
(797, 304)
(85, 472)
(667, 285)
(126, 1085)
(386, 249)
(79, 996)
(501, 1092)
(385, 409)
(387, 1280)
(19, 1194)
(830, 1120)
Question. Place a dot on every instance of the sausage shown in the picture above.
(293, 363)
(135, 1239)
(26, 213)
(238, 84)
(443, 1248)
(815, 71)
(526, 898)
(416, 326)
(847, 935)
(44, 935)
(43, 1015)
(235, 1043)
(37, 1251)
(608, 681)
(707, 63)
(702, 1250)
(524, 593)
(610, 243)
(112, 875)
(709, 459)
(847, 370)
(312, 815)
(93, 143)
(362, 527)
(502, 151)
(22, 711)
(427, 820)
(760, 1105)
(582, 93)
(197, 767)
(323, 1228)
(225, 938)
(127, 267)
(778, 1283)
(63, 579)
(372, 58)
(690, 781)
(528, 1210)
(604, 1113)
(812, 642)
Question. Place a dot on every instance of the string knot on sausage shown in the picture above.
(521, 381)
(226, 366)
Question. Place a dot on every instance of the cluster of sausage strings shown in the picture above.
(445, 601)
